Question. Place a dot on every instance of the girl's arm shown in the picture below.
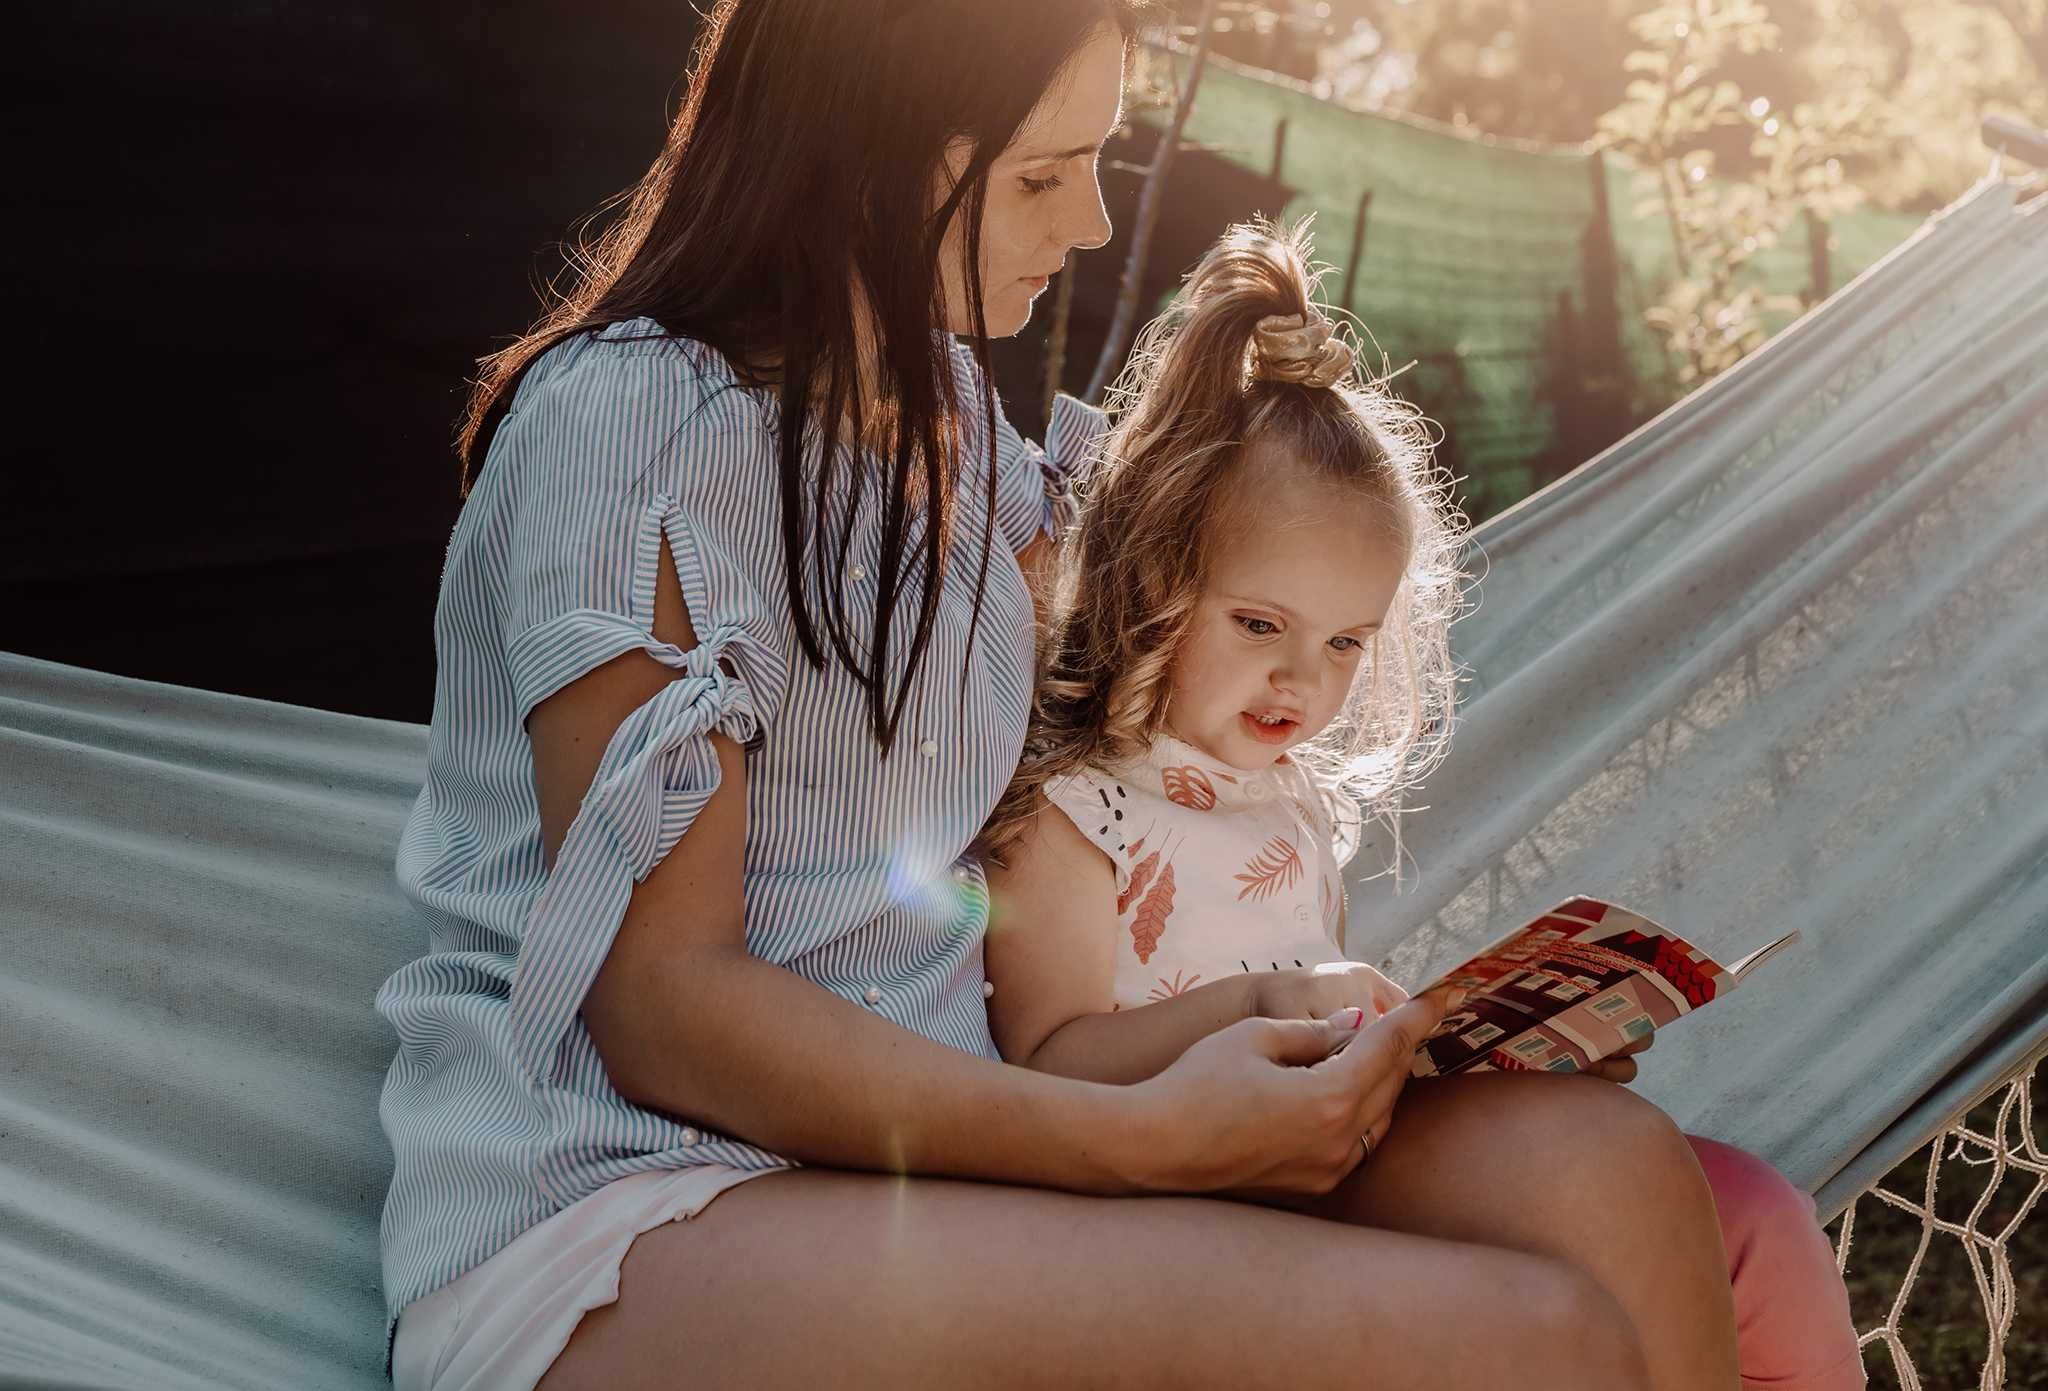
(1037, 561)
(1051, 955)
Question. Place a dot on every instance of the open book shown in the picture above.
(1584, 980)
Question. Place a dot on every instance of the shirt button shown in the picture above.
(1256, 791)
(988, 989)
(962, 874)
(928, 749)
(872, 996)
(857, 573)
(690, 1136)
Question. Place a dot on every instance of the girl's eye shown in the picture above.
(1343, 644)
(1257, 627)
(1045, 185)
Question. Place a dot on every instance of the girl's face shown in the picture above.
(1298, 584)
(1044, 198)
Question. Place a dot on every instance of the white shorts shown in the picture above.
(500, 1326)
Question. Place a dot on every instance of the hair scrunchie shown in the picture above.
(1306, 352)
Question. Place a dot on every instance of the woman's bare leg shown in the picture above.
(1578, 1170)
(816, 1278)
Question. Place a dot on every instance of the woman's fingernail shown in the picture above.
(1350, 1018)
(1456, 998)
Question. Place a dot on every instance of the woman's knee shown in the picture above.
(1539, 1321)
(1492, 1140)
(1569, 1313)
(1644, 1145)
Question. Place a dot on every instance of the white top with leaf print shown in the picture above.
(1218, 870)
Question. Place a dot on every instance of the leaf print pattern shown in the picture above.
(1167, 989)
(1307, 815)
(1152, 915)
(1274, 868)
(1252, 869)
(1188, 786)
(1140, 877)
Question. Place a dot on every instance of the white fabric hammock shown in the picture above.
(1781, 659)
(196, 898)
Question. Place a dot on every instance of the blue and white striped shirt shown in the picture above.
(498, 1106)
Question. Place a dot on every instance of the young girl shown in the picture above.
(1247, 656)
(1248, 653)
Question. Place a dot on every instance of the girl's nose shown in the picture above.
(1296, 679)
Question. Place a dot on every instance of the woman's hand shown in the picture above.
(1317, 992)
(1280, 1107)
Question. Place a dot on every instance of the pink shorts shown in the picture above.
(1792, 1326)
(500, 1326)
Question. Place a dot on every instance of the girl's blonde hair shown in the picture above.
(1195, 424)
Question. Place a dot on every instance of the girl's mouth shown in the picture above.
(1278, 731)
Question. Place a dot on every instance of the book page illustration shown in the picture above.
(1581, 982)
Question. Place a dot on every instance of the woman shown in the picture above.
(734, 661)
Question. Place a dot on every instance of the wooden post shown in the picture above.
(1150, 199)
(1056, 340)
(1357, 251)
(1600, 273)
(1818, 268)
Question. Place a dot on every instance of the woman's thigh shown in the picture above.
(822, 1278)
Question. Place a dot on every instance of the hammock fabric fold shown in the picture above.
(1780, 658)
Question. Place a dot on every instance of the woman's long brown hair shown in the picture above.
(794, 196)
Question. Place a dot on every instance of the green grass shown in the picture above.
(1944, 1322)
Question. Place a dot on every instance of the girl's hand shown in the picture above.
(1317, 992)
(1279, 1107)
(1621, 1067)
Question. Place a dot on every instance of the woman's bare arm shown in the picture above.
(1052, 945)
(690, 1023)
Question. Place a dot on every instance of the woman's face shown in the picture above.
(1044, 198)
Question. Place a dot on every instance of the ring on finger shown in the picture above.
(1366, 1143)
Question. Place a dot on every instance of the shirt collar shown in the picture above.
(1191, 778)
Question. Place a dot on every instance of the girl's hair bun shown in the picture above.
(1208, 346)
(1305, 352)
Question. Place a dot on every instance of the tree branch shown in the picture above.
(1149, 201)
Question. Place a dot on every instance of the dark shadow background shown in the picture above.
(258, 249)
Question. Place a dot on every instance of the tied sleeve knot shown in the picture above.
(657, 774)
